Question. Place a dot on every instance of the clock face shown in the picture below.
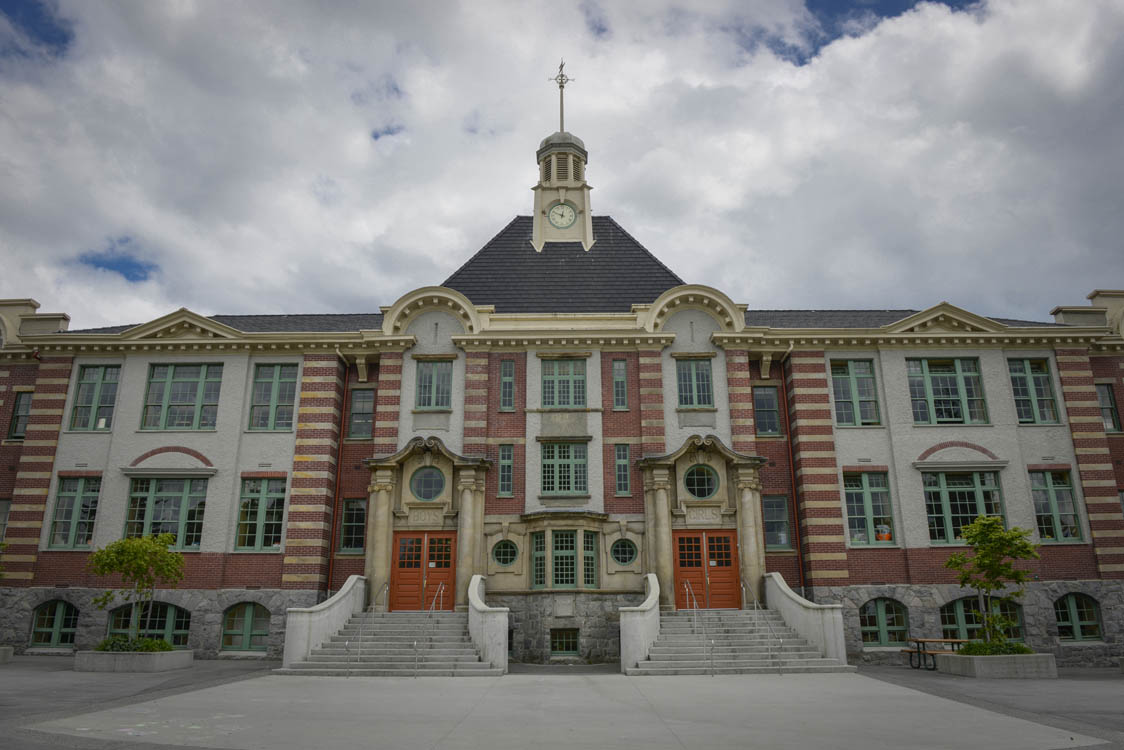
(562, 215)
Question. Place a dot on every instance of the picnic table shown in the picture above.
(923, 652)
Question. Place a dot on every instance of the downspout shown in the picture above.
(792, 473)
(339, 469)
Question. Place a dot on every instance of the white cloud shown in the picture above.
(973, 157)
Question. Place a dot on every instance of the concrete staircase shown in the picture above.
(381, 644)
(744, 643)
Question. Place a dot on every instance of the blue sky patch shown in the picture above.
(120, 256)
(37, 20)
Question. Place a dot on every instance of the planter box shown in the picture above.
(132, 661)
(1010, 667)
(6, 653)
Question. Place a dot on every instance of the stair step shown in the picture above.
(423, 658)
(795, 669)
(374, 672)
(426, 666)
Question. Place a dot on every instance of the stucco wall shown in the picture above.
(692, 329)
(434, 331)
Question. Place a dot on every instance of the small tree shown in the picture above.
(142, 563)
(991, 568)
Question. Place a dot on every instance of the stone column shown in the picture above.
(380, 536)
(467, 533)
(665, 571)
(751, 536)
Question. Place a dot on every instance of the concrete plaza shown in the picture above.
(231, 705)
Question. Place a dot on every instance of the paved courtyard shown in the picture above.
(219, 705)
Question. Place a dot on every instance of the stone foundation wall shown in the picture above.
(595, 615)
(1040, 628)
(206, 608)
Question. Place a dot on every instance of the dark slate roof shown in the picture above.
(614, 274)
(314, 323)
(847, 318)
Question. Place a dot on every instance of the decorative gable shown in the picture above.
(945, 318)
(181, 324)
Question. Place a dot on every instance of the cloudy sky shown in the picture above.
(329, 156)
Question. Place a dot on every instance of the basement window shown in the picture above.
(564, 642)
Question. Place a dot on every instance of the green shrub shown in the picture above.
(985, 648)
(121, 643)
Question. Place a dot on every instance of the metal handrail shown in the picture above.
(757, 609)
(384, 590)
(707, 641)
(440, 595)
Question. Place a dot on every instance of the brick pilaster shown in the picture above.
(738, 382)
(388, 396)
(651, 403)
(476, 404)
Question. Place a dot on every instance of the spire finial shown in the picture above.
(561, 79)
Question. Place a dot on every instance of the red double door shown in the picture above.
(707, 561)
(423, 561)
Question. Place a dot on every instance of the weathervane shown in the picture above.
(561, 79)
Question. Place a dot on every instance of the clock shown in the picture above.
(562, 215)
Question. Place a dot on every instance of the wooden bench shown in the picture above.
(922, 653)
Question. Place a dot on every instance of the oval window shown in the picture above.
(504, 552)
(623, 551)
(701, 481)
(427, 483)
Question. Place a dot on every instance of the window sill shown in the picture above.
(358, 439)
(90, 432)
(621, 408)
(1040, 424)
(696, 408)
(873, 545)
(770, 550)
(860, 426)
(12, 441)
(508, 496)
(1061, 542)
(622, 494)
(151, 430)
(564, 409)
(289, 431)
(510, 410)
(441, 410)
(953, 424)
(769, 437)
(350, 553)
(884, 649)
(248, 551)
(1085, 642)
(68, 549)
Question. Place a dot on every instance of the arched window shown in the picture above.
(245, 627)
(161, 621)
(55, 623)
(1079, 618)
(961, 618)
(884, 622)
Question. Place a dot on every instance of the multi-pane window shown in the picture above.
(1107, 402)
(563, 641)
(507, 471)
(954, 500)
(567, 559)
(275, 392)
(362, 415)
(696, 389)
(946, 391)
(259, 516)
(5, 507)
(589, 559)
(75, 509)
(167, 506)
(700, 481)
(245, 627)
(353, 525)
(766, 410)
(1034, 390)
(55, 624)
(1079, 618)
(884, 622)
(182, 397)
(94, 398)
(564, 469)
(868, 508)
(563, 383)
(623, 551)
(507, 385)
(775, 516)
(435, 385)
(504, 552)
(621, 469)
(538, 559)
(157, 620)
(1054, 508)
(620, 384)
(564, 558)
(961, 618)
(856, 402)
(21, 412)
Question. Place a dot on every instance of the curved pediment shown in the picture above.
(397, 317)
(422, 445)
(707, 444)
(730, 316)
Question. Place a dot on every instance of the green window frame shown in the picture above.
(21, 414)
(507, 385)
(361, 415)
(884, 622)
(435, 385)
(538, 559)
(700, 481)
(505, 552)
(620, 384)
(167, 506)
(590, 553)
(1054, 508)
(94, 398)
(1107, 401)
(870, 521)
(564, 641)
(1079, 618)
(76, 507)
(273, 398)
(696, 386)
(5, 509)
(164, 622)
(182, 397)
(353, 525)
(766, 410)
(955, 499)
(856, 397)
(961, 618)
(260, 515)
(775, 515)
(564, 559)
(54, 625)
(245, 627)
(506, 486)
(564, 469)
(1034, 391)
(563, 383)
(946, 391)
(623, 551)
(622, 470)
